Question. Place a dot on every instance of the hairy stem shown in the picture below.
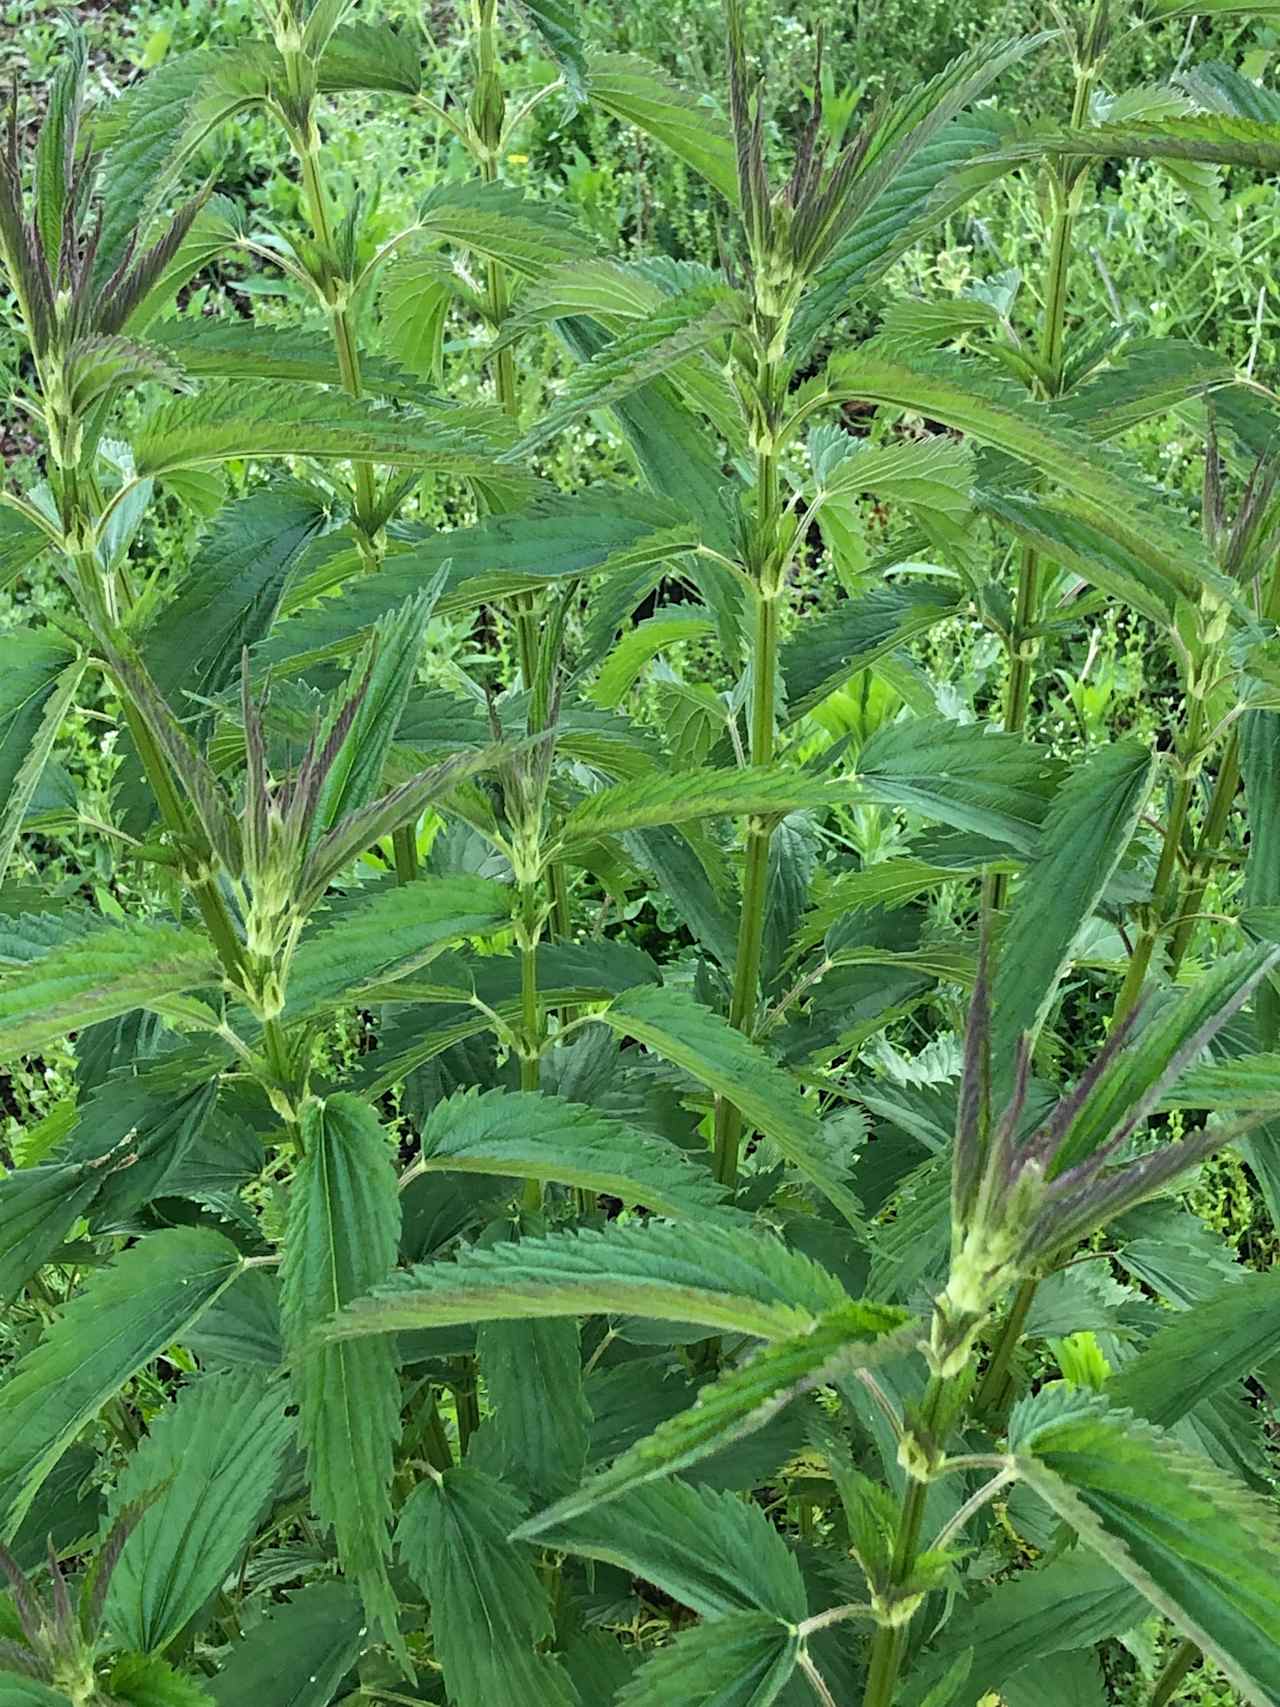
(889, 1644)
(768, 573)
(1023, 646)
(996, 1387)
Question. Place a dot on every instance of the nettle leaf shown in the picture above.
(712, 1551)
(1196, 1544)
(849, 1336)
(38, 678)
(21, 543)
(229, 595)
(212, 1459)
(384, 934)
(1069, 1603)
(1059, 532)
(342, 1239)
(963, 775)
(371, 56)
(1239, 1082)
(227, 420)
(519, 551)
(532, 1135)
(556, 21)
(732, 1281)
(690, 796)
(631, 89)
(965, 395)
(1219, 138)
(95, 976)
(298, 1655)
(1084, 836)
(501, 223)
(126, 1315)
(678, 1028)
(1203, 1350)
(489, 1606)
(744, 1660)
(1176, 1034)
(243, 349)
(680, 327)
(540, 1427)
(38, 1208)
(823, 653)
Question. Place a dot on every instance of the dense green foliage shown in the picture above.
(640, 835)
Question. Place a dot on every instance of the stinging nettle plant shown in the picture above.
(424, 1292)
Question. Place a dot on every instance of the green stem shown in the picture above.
(993, 1393)
(1164, 903)
(889, 1644)
(1211, 838)
(1024, 646)
(1184, 1657)
(531, 1034)
(768, 572)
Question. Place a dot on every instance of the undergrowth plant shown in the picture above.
(428, 1293)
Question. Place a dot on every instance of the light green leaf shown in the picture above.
(744, 1660)
(1174, 1036)
(299, 1654)
(711, 1551)
(961, 774)
(21, 788)
(1084, 837)
(126, 1315)
(97, 975)
(849, 1336)
(1197, 1545)
(500, 223)
(680, 1029)
(533, 1135)
(633, 651)
(727, 1281)
(366, 55)
(213, 1458)
(342, 1239)
(540, 1425)
(1201, 1351)
(489, 1607)
(680, 327)
(690, 796)
(823, 653)
(638, 93)
(229, 419)
(966, 395)
(386, 932)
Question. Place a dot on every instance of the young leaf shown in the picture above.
(532, 1135)
(342, 1238)
(729, 1281)
(1197, 1545)
(720, 1057)
(1084, 836)
(744, 1660)
(712, 1551)
(299, 1654)
(849, 1336)
(213, 1459)
(489, 1607)
(97, 975)
(126, 1315)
